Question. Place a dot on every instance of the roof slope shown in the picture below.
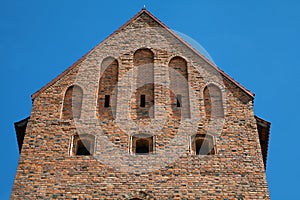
(144, 11)
(20, 128)
(263, 128)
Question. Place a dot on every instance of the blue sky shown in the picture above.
(256, 42)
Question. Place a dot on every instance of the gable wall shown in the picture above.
(47, 170)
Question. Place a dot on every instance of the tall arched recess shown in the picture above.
(72, 102)
(107, 93)
(144, 64)
(179, 88)
(213, 101)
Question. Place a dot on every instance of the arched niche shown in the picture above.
(72, 103)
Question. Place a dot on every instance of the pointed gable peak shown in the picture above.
(146, 16)
(150, 20)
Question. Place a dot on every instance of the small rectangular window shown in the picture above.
(143, 100)
(83, 148)
(179, 102)
(107, 100)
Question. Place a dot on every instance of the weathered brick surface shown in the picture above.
(107, 86)
(49, 170)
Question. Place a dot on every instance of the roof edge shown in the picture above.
(34, 95)
(251, 94)
(267, 126)
(20, 129)
(144, 10)
(262, 120)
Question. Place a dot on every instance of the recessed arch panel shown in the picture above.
(144, 95)
(213, 101)
(72, 103)
(179, 87)
(107, 93)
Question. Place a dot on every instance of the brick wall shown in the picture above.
(49, 170)
(107, 87)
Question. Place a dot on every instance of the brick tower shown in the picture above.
(143, 115)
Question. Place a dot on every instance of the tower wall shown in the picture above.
(48, 168)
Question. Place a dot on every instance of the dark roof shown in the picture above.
(263, 128)
(33, 96)
(20, 128)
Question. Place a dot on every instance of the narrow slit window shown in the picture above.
(107, 100)
(179, 100)
(143, 100)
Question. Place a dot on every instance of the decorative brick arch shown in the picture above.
(143, 56)
(107, 92)
(213, 101)
(143, 60)
(180, 101)
(72, 103)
